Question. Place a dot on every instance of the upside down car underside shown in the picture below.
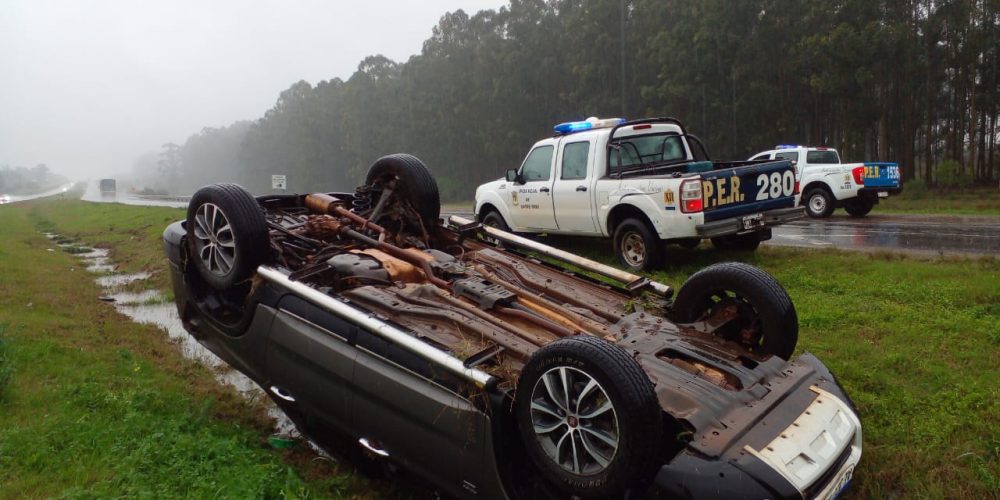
(499, 306)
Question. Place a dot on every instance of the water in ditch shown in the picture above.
(151, 307)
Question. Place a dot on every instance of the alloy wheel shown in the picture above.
(574, 421)
(215, 243)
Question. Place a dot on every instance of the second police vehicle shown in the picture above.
(828, 184)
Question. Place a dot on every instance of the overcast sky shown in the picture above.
(86, 86)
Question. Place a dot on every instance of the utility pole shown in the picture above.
(623, 58)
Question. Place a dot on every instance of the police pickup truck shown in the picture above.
(642, 183)
(828, 184)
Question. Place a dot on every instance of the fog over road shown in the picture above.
(914, 234)
(52, 192)
(93, 193)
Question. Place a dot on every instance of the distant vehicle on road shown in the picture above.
(828, 184)
(109, 189)
(4, 199)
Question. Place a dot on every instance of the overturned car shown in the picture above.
(499, 367)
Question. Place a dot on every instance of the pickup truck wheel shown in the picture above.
(763, 318)
(858, 207)
(227, 235)
(414, 184)
(494, 219)
(819, 202)
(589, 417)
(636, 246)
(744, 242)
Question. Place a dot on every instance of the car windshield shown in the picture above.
(647, 150)
(826, 156)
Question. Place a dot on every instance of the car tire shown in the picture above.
(764, 308)
(493, 218)
(858, 207)
(415, 185)
(818, 202)
(616, 446)
(637, 246)
(741, 242)
(227, 235)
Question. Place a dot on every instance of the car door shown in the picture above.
(570, 191)
(792, 156)
(409, 411)
(310, 363)
(531, 202)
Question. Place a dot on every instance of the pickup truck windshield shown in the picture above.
(647, 150)
(827, 157)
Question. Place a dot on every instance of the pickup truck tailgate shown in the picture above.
(744, 190)
(881, 175)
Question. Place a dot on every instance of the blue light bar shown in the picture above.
(570, 127)
(588, 124)
(787, 146)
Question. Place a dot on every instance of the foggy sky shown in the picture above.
(87, 86)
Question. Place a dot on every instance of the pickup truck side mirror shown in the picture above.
(513, 177)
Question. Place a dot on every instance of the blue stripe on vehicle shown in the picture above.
(748, 208)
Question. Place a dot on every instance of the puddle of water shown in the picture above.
(97, 261)
(100, 268)
(147, 307)
(116, 281)
(94, 253)
(141, 298)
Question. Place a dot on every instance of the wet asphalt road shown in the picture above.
(914, 234)
(920, 234)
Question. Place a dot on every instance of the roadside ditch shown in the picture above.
(128, 295)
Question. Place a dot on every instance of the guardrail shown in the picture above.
(159, 197)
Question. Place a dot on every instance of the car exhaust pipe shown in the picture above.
(631, 281)
(382, 329)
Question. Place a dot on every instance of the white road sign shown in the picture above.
(277, 181)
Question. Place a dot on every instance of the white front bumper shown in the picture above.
(804, 452)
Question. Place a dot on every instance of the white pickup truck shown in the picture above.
(828, 184)
(643, 183)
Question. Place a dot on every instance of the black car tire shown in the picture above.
(763, 305)
(227, 235)
(858, 207)
(637, 246)
(743, 242)
(416, 185)
(634, 411)
(493, 218)
(818, 202)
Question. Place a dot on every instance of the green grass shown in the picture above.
(916, 199)
(916, 344)
(94, 406)
(100, 406)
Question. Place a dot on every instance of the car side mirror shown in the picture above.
(512, 176)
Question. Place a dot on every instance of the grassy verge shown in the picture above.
(98, 405)
(915, 342)
(916, 199)
(93, 405)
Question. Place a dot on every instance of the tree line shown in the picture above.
(911, 81)
(20, 180)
